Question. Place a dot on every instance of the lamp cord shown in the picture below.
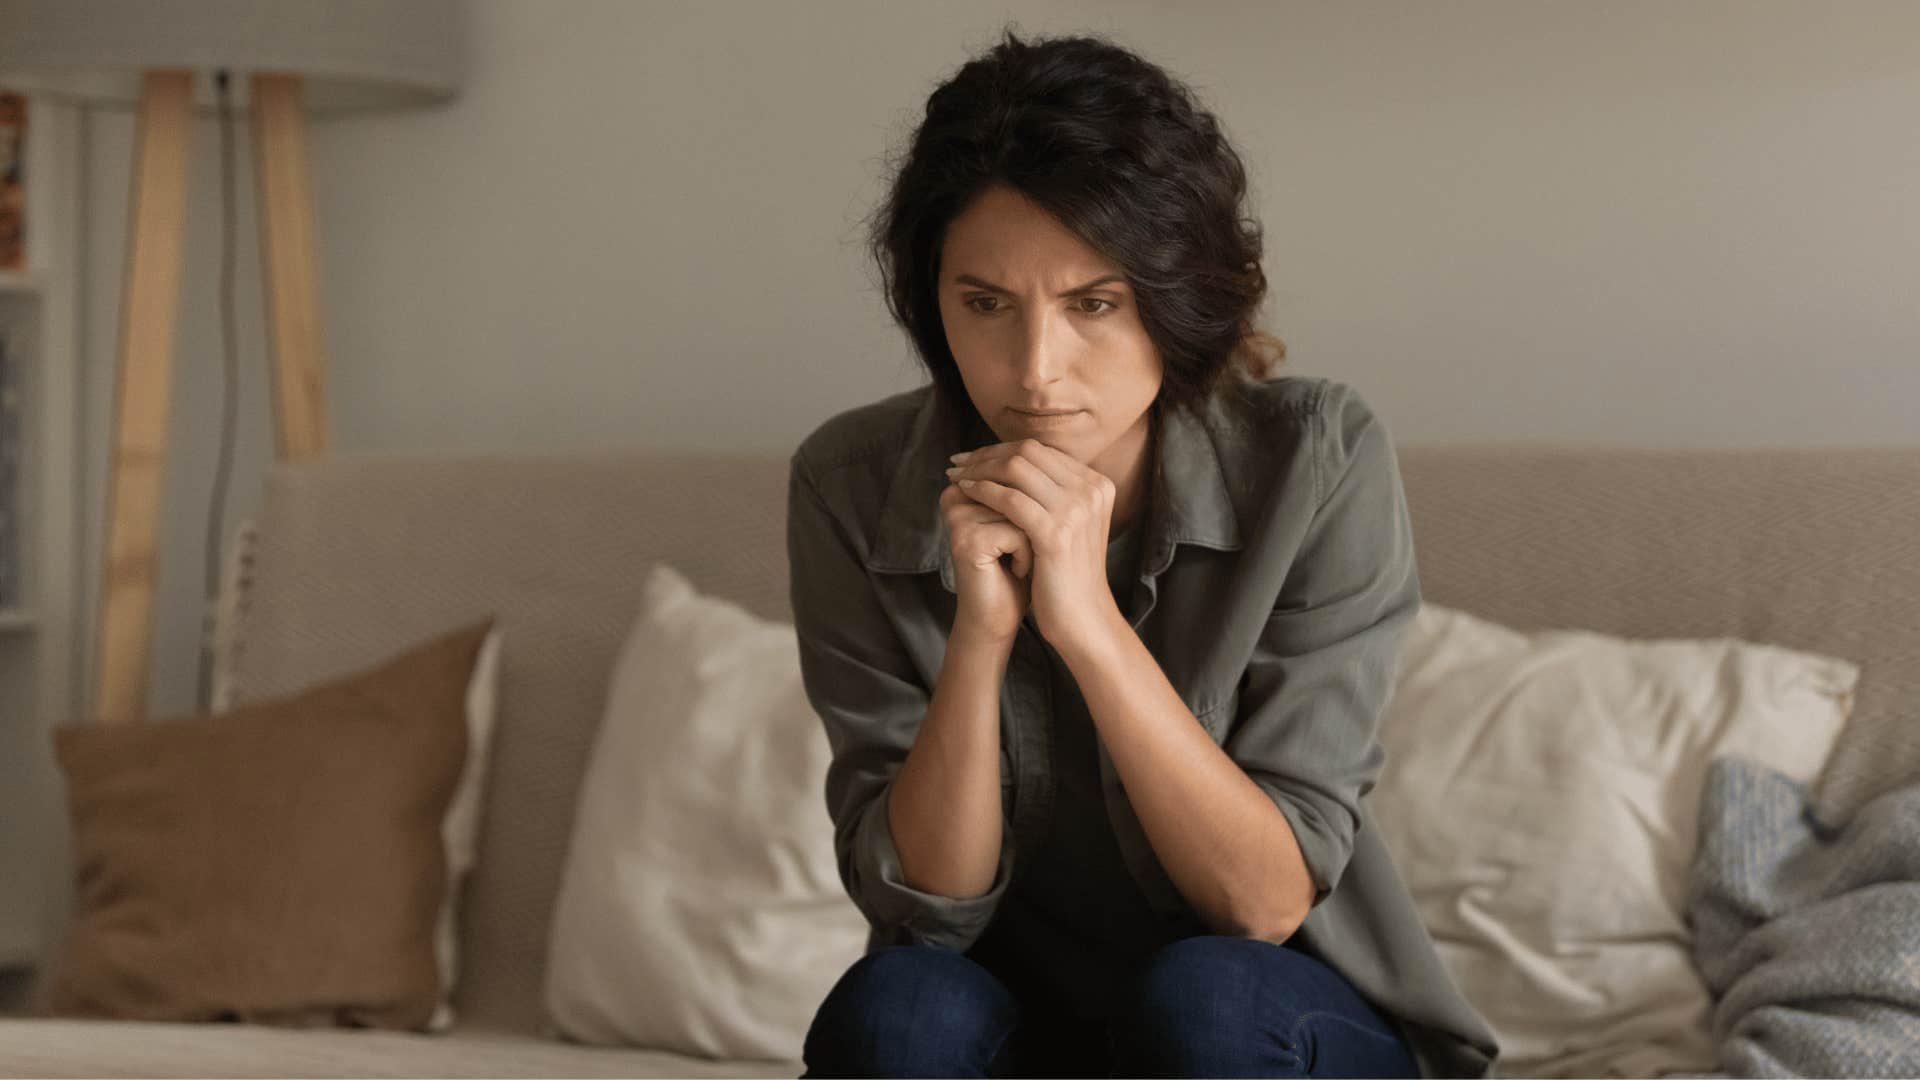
(216, 511)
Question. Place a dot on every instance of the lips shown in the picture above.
(1046, 412)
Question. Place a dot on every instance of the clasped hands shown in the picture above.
(1064, 508)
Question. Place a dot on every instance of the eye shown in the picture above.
(1103, 306)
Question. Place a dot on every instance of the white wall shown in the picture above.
(1639, 222)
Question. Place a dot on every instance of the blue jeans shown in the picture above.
(1210, 1005)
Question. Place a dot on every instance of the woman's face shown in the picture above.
(1033, 325)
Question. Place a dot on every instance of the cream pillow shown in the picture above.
(700, 909)
(1540, 797)
(460, 832)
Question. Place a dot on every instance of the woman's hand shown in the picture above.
(1064, 509)
(992, 595)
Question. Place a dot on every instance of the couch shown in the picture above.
(358, 556)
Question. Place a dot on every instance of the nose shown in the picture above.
(1043, 357)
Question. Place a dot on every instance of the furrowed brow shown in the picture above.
(969, 279)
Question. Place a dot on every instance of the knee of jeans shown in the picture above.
(1192, 1006)
(910, 1010)
(1193, 980)
(921, 979)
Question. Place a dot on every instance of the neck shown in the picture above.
(1132, 474)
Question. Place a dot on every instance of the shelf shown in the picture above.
(41, 310)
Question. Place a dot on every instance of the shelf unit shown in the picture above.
(39, 630)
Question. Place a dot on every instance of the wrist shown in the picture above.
(1093, 638)
(968, 638)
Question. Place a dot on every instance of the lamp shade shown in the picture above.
(353, 55)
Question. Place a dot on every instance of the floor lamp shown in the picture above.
(171, 59)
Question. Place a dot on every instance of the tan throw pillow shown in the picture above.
(461, 831)
(278, 859)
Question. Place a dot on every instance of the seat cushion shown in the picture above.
(61, 1047)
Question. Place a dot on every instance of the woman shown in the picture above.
(1102, 689)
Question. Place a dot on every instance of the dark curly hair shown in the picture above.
(1125, 158)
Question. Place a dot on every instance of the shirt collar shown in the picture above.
(1188, 503)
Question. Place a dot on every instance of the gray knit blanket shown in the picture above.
(1808, 936)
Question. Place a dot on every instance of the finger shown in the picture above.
(1015, 470)
(1058, 465)
(991, 542)
(1019, 507)
(1009, 540)
(1021, 463)
(953, 498)
(967, 507)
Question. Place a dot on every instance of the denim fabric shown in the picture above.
(1209, 1005)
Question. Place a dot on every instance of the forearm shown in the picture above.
(944, 808)
(1223, 842)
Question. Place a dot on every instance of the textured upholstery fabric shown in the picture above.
(236, 580)
(59, 1048)
(1814, 548)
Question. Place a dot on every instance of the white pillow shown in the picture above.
(459, 831)
(700, 909)
(1540, 797)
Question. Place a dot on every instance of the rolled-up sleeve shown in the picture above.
(863, 685)
(1324, 666)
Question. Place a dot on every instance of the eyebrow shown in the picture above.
(969, 279)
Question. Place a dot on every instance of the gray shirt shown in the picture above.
(1276, 580)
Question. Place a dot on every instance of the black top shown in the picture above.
(1075, 926)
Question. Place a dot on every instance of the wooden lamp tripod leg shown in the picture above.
(290, 264)
(142, 392)
(149, 303)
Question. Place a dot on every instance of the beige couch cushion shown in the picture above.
(63, 1048)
